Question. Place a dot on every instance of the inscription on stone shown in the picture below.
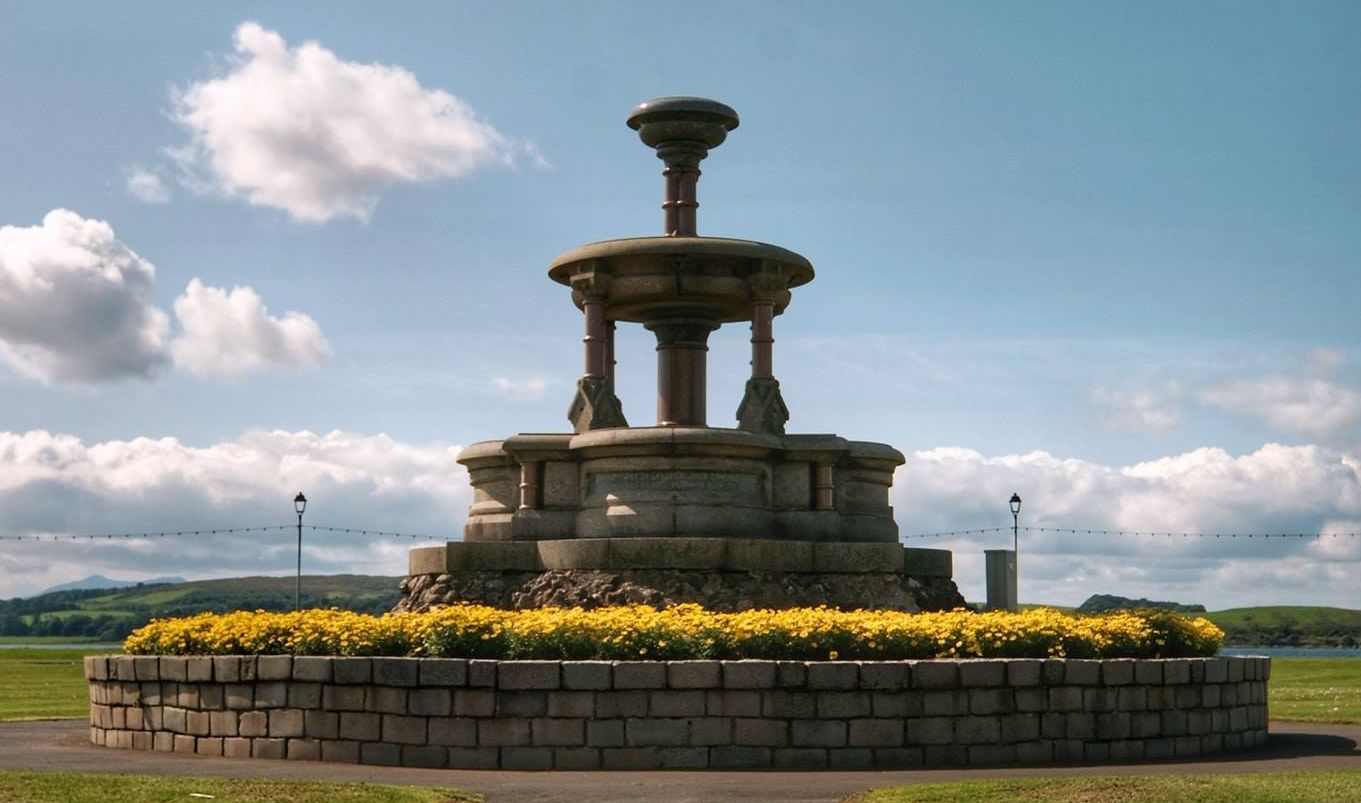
(633, 484)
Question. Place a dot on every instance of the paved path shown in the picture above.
(62, 745)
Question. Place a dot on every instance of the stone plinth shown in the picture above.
(485, 714)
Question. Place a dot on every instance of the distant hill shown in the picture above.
(1289, 626)
(111, 614)
(1100, 603)
(100, 581)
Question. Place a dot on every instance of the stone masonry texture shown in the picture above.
(450, 712)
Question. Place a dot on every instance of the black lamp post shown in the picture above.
(1015, 530)
(299, 504)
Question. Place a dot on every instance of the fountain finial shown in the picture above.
(682, 130)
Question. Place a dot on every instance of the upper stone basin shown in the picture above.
(659, 277)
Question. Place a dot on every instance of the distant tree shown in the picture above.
(11, 624)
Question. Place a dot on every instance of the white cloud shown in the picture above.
(75, 303)
(146, 185)
(520, 389)
(1147, 410)
(299, 129)
(51, 483)
(229, 333)
(1276, 489)
(1309, 405)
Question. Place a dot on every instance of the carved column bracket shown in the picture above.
(762, 408)
(595, 406)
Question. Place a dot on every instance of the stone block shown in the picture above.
(752, 554)
(850, 758)
(145, 668)
(482, 672)
(623, 704)
(1113, 726)
(238, 696)
(1127, 750)
(234, 747)
(197, 669)
(197, 723)
(321, 724)
(708, 731)
(276, 667)
(1065, 698)
(173, 668)
(734, 757)
(443, 672)
(1081, 672)
(1236, 666)
(884, 675)
(1145, 724)
(1117, 671)
(360, 727)
(121, 667)
(989, 700)
(788, 704)
(474, 703)
(1080, 725)
(250, 723)
(760, 732)
(655, 732)
(429, 702)
(586, 675)
(987, 754)
(96, 667)
(351, 670)
(303, 750)
(1031, 699)
(558, 732)
(978, 730)
(520, 556)
(286, 722)
(428, 756)
(1020, 728)
(389, 755)
(521, 703)
(945, 755)
(342, 698)
(1148, 672)
(304, 695)
(183, 743)
(978, 674)
(639, 675)
(667, 553)
(404, 730)
(843, 704)
(453, 732)
(876, 733)
(503, 732)
(605, 733)
(529, 675)
(896, 703)
(693, 674)
(473, 758)
(268, 748)
(1096, 752)
(579, 704)
(1035, 752)
(270, 695)
(186, 695)
(791, 674)
(675, 703)
(795, 758)
(733, 703)
(427, 560)
(526, 758)
(576, 758)
(1025, 672)
(1173, 723)
(628, 758)
(851, 557)
(1217, 670)
(817, 733)
(833, 675)
(934, 674)
(222, 723)
(1132, 698)
(1177, 670)
(919, 562)
(898, 757)
(396, 671)
(211, 696)
(748, 674)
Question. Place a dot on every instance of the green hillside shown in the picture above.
(1290, 626)
(110, 614)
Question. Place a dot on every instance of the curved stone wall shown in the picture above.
(432, 712)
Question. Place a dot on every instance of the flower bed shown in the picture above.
(683, 632)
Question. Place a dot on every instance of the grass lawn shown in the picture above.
(71, 787)
(1316, 690)
(1305, 787)
(43, 684)
(47, 639)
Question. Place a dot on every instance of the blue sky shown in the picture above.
(1110, 235)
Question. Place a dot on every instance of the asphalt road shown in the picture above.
(62, 745)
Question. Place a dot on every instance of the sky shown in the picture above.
(1106, 256)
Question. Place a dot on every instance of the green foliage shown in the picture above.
(1101, 603)
(1298, 787)
(1289, 626)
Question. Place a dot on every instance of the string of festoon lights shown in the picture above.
(1136, 533)
(212, 532)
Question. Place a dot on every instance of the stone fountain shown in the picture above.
(680, 511)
